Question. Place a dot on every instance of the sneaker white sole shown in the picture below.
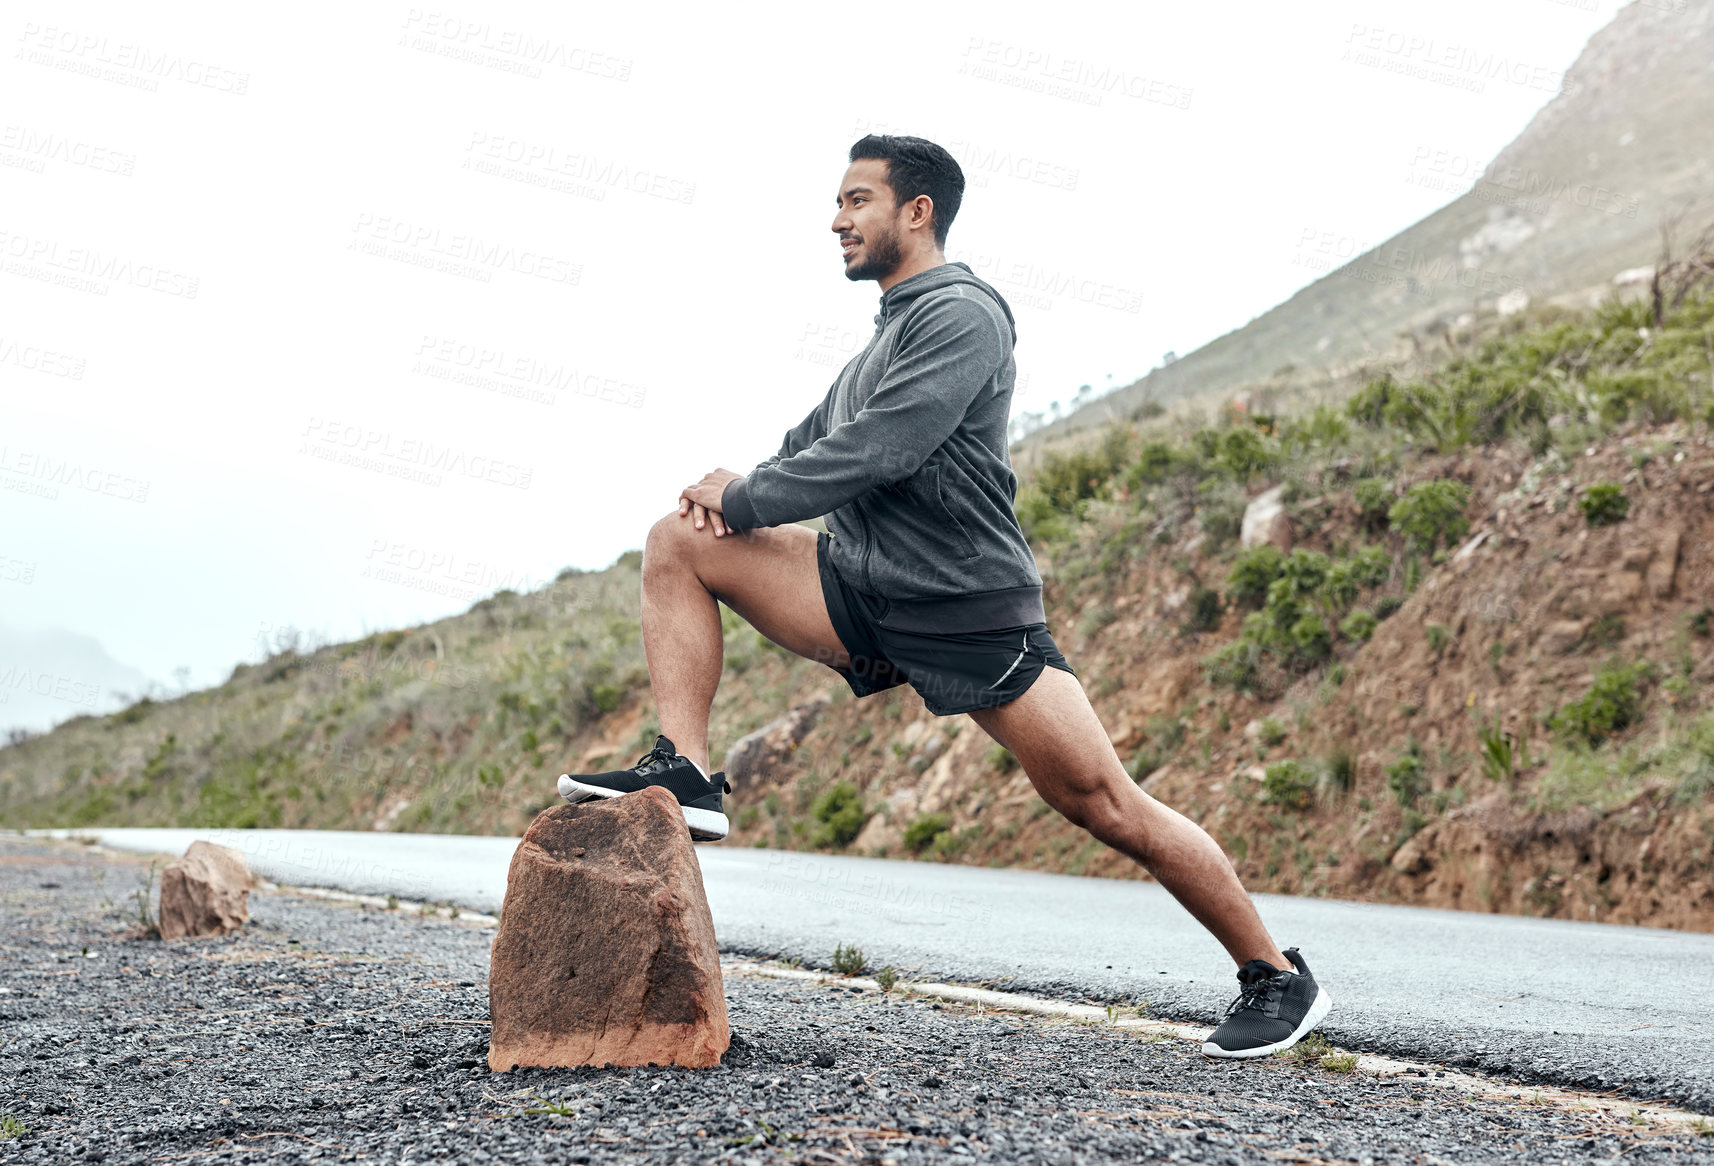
(1318, 1010)
(705, 825)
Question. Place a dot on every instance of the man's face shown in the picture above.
(867, 222)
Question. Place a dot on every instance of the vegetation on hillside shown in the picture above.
(460, 725)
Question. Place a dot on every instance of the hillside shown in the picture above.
(1469, 666)
(1579, 196)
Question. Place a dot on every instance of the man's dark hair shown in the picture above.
(915, 167)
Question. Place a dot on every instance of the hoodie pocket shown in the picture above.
(931, 485)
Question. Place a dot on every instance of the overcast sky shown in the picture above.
(340, 317)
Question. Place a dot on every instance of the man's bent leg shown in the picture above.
(1056, 736)
(768, 576)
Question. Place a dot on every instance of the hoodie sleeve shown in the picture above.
(948, 352)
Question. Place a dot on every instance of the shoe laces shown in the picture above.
(649, 759)
(1252, 994)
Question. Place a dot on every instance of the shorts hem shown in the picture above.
(1007, 699)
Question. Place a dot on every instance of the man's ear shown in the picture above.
(922, 210)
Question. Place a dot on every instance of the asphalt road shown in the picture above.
(1578, 1004)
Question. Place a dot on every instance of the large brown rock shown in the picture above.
(204, 892)
(606, 952)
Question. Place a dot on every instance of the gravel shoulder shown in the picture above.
(328, 1031)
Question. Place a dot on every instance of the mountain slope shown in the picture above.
(1579, 196)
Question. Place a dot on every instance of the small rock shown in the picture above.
(823, 1060)
(1562, 635)
(205, 892)
(1265, 521)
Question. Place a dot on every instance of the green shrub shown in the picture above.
(1273, 733)
(1202, 613)
(887, 978)
(1244, 452)
(1157, 462)
(1497, 755)
(1613, 703)
(841, 814)
(1288, 784)
(1358, 626)
(1306, 570)
(1001, 758)
(1040, 521)
(1368, 406)
(1253, 572)
(1604, 503)
(1067, 478)
(848, 960)
(1311, 642)
(1374, 496)
(1322, 426)
(1406, 777)
(924, 829)
(1388, 605)
(1339, 771)
(1221, 517)
(1236, 665)
(1431, 513)
(1702, 621)
(1438, 638)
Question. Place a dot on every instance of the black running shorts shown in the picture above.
(955, 673)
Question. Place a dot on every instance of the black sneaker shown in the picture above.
(1274, 1010)
(698, 796)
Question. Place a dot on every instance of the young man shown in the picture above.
(926, 578)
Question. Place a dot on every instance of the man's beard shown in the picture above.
(881, 256)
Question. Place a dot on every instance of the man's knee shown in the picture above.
(1096, 807)
(666, 544)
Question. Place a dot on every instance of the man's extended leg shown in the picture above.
(768, 576)
(1056, 736)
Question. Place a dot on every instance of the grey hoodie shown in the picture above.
(906, 459)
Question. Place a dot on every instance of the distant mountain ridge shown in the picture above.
(1579, 196)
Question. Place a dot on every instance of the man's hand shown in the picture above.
(702, 500)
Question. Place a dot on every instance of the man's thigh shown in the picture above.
(1056, 736)
(769, 576)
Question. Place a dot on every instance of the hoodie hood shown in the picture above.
(903, 294)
